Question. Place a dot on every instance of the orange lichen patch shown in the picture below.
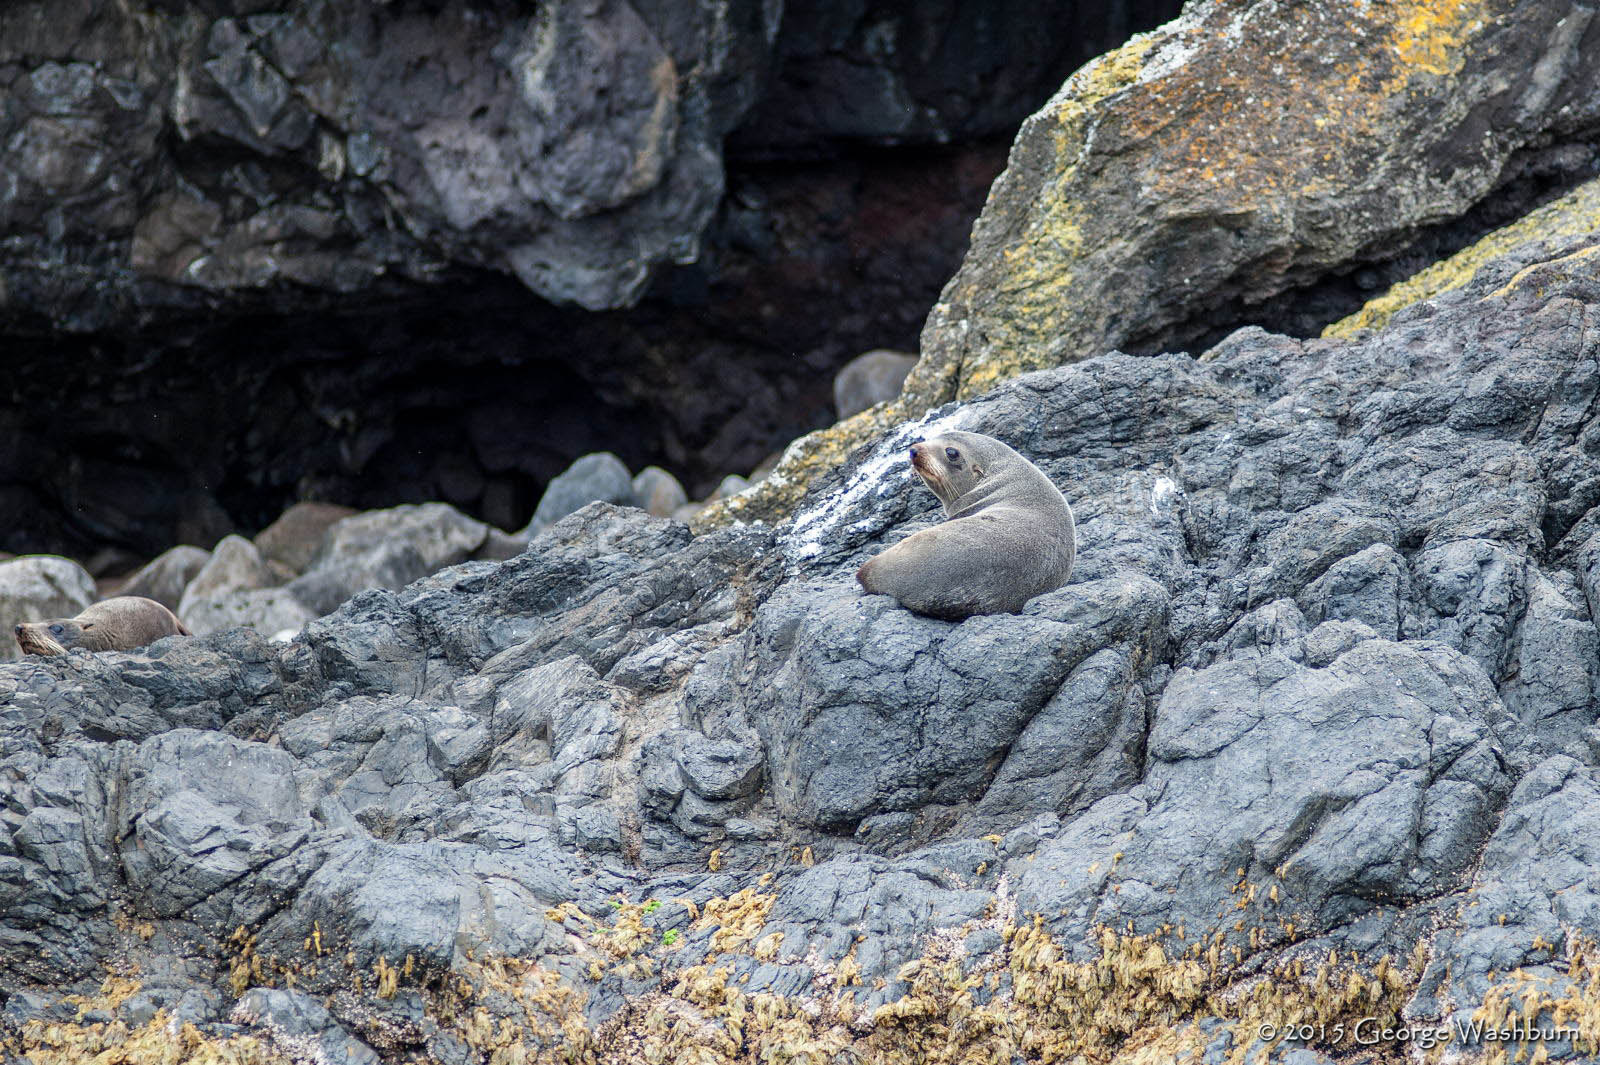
(1429, 35)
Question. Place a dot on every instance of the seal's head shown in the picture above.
(51, 637)
(952, 464)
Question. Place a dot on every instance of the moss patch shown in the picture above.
(804, 461)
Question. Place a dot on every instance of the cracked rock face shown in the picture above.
(1323, 681)
(328, 145)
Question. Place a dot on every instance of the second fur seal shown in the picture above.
(1009, 534)
(121, 624)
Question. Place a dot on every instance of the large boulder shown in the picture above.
(599, 477)
(165, 577)
(385, 549)
(297, 534)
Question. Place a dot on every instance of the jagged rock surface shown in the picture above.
(1171, 191)
(1324, 679)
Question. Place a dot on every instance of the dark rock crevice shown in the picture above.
(1310, 303)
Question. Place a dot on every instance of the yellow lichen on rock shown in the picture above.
(1130, 1003)
(1429, 35)
(803, 462)
(1214, 162)
(160, 1041)
(1575, 214)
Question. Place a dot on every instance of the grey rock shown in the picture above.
(38, 587)
(730, 485)
(600, 476)
(1319, 802)
(499, 546)
(1534, 881)
(386, 549)
(719, 769)
(658, 492)
(296, 1021)
(854, 683)
(1371, 586)
(203, 812)
(165, 577)
(1085, 743)
(869, 378)
(273, 612)
(295, 537)
(215, 599)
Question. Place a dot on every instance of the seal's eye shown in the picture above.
(952, 454)
(55, 630)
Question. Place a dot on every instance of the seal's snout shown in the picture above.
(17, 630)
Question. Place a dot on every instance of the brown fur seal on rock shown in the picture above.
(1009, 534)
(121, 624)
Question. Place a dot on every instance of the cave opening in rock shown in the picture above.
(140, 414)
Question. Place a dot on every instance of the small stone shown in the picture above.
(297, 534)
(869, 379)
(731, 485)
(658, 492)
(216, 599)
(597, 477)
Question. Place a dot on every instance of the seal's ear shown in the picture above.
(977, 471)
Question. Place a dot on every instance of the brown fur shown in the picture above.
(1009, 535)
(121, 624)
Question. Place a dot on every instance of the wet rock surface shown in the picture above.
(1322, 685)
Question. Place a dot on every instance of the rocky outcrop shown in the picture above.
(1169, 189)
(362, 144)
(1311, 732)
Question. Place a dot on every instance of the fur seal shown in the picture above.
(121, 624)
(1008, 534)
